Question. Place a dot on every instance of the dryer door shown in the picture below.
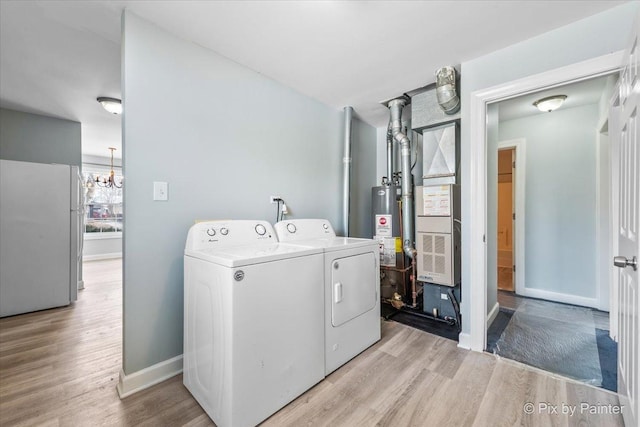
(353, 282)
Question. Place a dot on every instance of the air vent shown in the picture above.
(427, 262)
(439, 264)
(434, 258)
(427, 243)
(439, 247)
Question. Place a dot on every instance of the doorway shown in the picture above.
(562, 218)
(562, 211)
(506, 217)
(476, 226)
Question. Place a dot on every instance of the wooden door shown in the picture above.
(505, 259)
(627, 131)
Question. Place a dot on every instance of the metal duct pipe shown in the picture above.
(346, 166)
(395, 108)
(446, 90)
(390, 156)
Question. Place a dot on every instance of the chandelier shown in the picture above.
(109, 181)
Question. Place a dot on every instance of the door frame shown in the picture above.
(519, 145)
(477, 221)
(614, 211)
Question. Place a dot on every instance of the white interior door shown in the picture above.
(628, 229)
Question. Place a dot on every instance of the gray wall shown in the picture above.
(594, 36)
(33, 138)
(363, 177)
(560, 198)
(225, 138)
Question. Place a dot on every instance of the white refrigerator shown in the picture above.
(41, 232)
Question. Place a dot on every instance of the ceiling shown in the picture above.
(56, 57)
(585, 92)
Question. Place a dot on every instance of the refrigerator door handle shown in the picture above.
(74, 267)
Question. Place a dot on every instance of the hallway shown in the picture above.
(560, 338)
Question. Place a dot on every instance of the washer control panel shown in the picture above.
(304, 229)
(260, 229)
(213, 234)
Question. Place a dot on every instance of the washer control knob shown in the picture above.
(325, 226)
(211, 232)
(261, 230)
(291, 227)
(224, 231)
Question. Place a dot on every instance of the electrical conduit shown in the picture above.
(346, 166)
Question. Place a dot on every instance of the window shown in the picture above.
(103, 206)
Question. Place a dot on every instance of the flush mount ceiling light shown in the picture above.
(550, 103)
(112, 105)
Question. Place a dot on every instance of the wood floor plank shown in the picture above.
(59, 368)
(410, 408)
(506, 380)
(458, 401)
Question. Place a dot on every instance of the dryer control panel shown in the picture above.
(304, 229)
(210, 234)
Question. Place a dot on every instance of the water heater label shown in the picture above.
(383, 225)
(437, 200)
(387, 250)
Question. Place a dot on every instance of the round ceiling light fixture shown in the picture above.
(550, 103)
(112, 105)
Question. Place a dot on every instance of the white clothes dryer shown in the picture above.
(351, 287)
(253, 320)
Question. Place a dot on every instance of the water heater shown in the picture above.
(386, 216)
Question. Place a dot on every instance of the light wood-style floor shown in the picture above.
(60, 367)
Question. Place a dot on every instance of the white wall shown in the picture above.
(97, 246)
(560, 200)
(591, 37)
(493, 138)
(225, 138)
(605, 267)
(101, 160)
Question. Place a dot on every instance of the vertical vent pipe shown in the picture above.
(346, 167)
(390, 156)
(395, 110)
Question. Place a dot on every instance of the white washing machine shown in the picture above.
(351, 287)
(253, 320)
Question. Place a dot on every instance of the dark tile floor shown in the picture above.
(560, 338)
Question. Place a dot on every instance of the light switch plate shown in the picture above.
(160, 191)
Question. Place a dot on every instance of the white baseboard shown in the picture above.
(492, 314)
(464, 341)
(138, 381)
(559, 297)
(100, 257)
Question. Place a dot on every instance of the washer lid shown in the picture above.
(338, 243)
(238, 256)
